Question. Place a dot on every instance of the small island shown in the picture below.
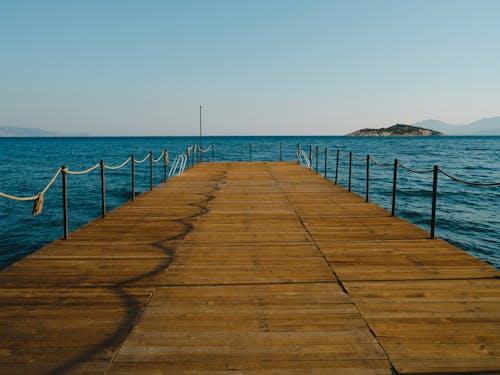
(400, 130)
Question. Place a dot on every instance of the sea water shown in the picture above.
(467, 216)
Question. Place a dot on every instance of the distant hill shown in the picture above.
(485, 126)
(14, 131)
(395, 130)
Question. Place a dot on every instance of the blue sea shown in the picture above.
(467, 216)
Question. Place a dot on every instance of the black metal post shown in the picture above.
(133, 176)
(434, 201)
(103, 191)
(213, 158)
(326, 160)
(250, 152)
(201, 147)
(298, 153)
(65, 200)
(394, 187)
(151, 171)
(350, 170)
(310, 156)
(337, 167)
(317, 154)
(281, 152)
(165, 165)
(367, 198)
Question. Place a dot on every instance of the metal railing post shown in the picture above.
(310, 157)
(298, 153)
(337, 167)
(350, 171)
(165, 165)
(317, 154)
(281, 152)
(367, 198)
(394, 188)
(213, 157)
(65, 201)
(326, 160)
(103, 191)
(434, 201)
(133, 176)
(250, 152)
(150, 170)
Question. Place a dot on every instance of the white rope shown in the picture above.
(32, 198)
(38, 199)
(83, 172)
(159, 157)
(207, 149)
(143, 160)
(118, 166)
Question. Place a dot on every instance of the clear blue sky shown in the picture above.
(258, 67)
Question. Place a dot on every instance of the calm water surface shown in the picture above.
(466, 216)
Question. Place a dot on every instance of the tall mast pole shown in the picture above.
(200, 138)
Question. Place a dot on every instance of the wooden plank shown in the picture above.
(241, 267)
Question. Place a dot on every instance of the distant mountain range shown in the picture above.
(485, 126)
(14, 131)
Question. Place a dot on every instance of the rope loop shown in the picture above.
(358, 158)
(118, 166)
(471, 183)
(143, 160)
(37, 205)
(380, 164)
(415, 170)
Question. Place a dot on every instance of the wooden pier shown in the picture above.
(249, 268)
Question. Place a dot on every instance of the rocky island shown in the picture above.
(401, 130)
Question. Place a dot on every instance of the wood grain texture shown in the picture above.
(249, 268)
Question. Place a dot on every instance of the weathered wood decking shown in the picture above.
(249, 268)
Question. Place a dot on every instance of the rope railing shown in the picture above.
(142, 160)
(64, 171)
(193, 155)
(38, 198)
(84, 171)
(371, 160)
(470, 183)
(159, 157)
(422, 171)
(114, 168)
(380, 164)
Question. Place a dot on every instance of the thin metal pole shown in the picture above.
(394, 187)
(337, 167)
(165, 165)
(367, 198)
(151, 171)
(350, 170)
(317, 154)
(250, 152)
(434, 201)
(103, 191)
(201, 155)
(298, 153)
(281, 152)
(326, 160)
(213, 158)
(133, 177)
(65, 200)
(311, 156)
